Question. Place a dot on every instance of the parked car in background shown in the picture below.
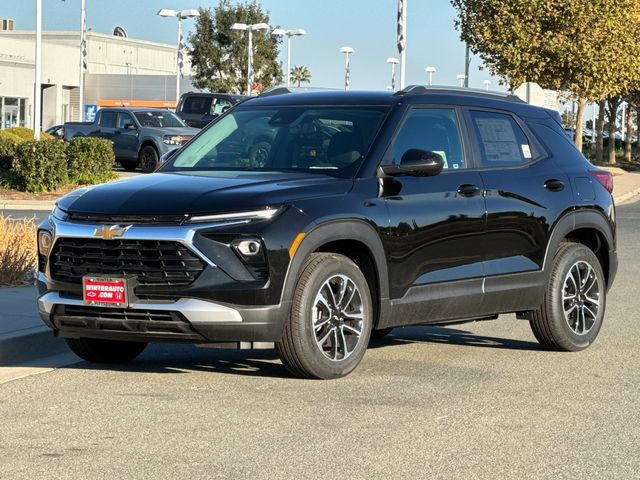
(57, 132)
(140, 136)
(198, 109)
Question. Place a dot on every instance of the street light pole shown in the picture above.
(249, 29)
(347, 73)
(83, 46)
(487, 84)
(393, 61)
(430, 71)
(180, 15)
(37, 99)
(461, 78)
(289, 34)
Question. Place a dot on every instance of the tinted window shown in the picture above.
(432, 129)
(108, 119)
(196, 104)
(124, 119)
(331, 141)
(502, 141)
(159, 118)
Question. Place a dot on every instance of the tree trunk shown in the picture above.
(599, 128)
(629, 133)
(614, 103)
(582, 105)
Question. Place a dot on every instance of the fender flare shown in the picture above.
(587, 218)
(347, 229)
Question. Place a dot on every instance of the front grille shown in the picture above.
(111, 219)
(151, 322)
(153, 262)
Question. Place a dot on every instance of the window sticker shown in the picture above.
(526, 151)
(498, 139)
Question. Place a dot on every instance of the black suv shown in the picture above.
(197, 109)
(368, 211)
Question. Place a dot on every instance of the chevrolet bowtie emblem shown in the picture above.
(111, 231)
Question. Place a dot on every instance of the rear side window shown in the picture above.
(501, 140)
(432, 129)
(197, 104)
(108, 119)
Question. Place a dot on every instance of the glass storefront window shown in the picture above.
(13, 112)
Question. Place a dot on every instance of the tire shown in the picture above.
(105, 351)
(322, 352)
(570, 316)
(381, 333)
(259, 154)
(130, 165)
(149, 158)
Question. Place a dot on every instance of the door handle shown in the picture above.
(469, 190)
(554, 185)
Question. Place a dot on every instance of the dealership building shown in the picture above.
(120, 71)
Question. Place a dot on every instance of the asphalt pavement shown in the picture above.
(480, 400)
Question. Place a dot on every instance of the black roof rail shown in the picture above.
(419, 89)
(270, 92)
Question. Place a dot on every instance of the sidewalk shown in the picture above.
(23, 336)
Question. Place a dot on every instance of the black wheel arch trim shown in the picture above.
(335, 230)
(578, 219)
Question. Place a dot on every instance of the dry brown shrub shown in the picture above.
(18, 259)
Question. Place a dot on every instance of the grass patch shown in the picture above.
(18, 256)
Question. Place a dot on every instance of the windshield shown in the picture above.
(155, 118)
(330, 140)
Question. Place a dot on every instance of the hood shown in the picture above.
(207, 192)
(161, 131)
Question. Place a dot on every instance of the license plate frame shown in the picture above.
(112, 291)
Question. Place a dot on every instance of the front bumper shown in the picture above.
(216, 307)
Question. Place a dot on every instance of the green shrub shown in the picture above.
(25, 134)
(90, 160)
(8, 145)
(40, 166)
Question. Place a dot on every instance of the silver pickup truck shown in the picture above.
(140, 136)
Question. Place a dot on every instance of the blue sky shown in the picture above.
(369, 26)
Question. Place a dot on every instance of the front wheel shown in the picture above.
(572, 311)
(105, 351)
(149, 159)
(330, 321)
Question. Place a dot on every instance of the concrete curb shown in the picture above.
(33, 344)
(27, 205)
(626, 196)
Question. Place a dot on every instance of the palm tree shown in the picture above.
(300, 74)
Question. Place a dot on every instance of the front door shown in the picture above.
(125, 140)
(435, 239)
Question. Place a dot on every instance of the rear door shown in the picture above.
(106, 125)
(525, 192)
(436, 235)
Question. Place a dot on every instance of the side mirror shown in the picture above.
(169, 155)
(130, 126)
(415, 163)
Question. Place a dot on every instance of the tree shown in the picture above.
(613, 104)
(300, 75)
(599, 129)
(586, 48)
(219, 54)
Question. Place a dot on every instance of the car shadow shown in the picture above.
(449, 336)
(177, 359)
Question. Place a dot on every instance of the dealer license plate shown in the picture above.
(105, 291)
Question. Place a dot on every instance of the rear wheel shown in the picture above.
(330, 321)
(572, 311)
(105, 351)
(149, 158)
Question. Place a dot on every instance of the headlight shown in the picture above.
(59, 213)
(264, 214)
(175, 139)
(44, 242)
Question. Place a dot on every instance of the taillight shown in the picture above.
(605, 178)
